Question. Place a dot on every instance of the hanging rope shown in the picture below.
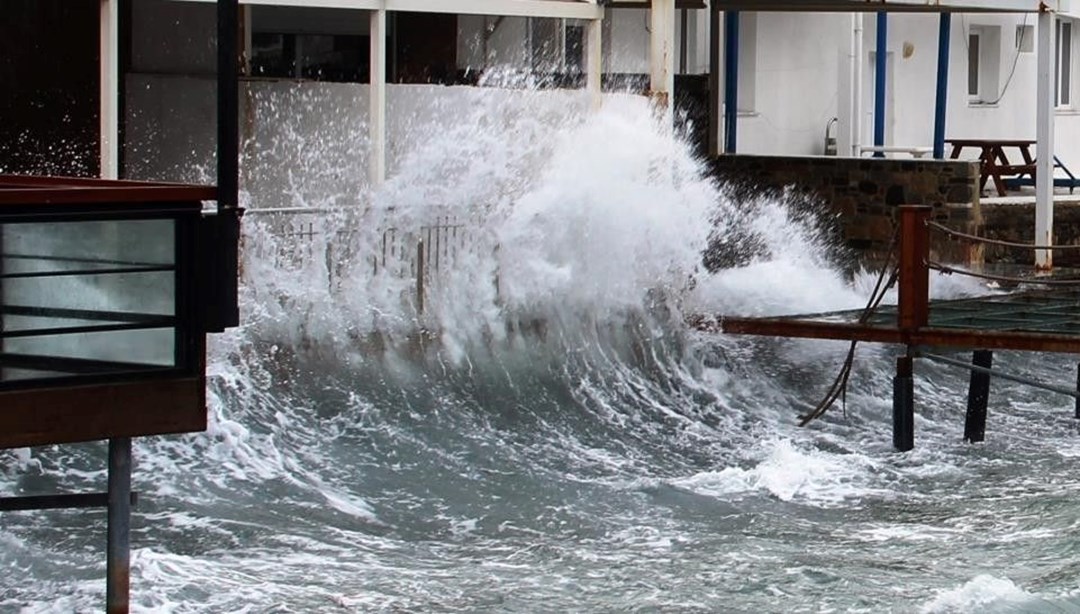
(978, 239)
(838, 390)
(948, 270)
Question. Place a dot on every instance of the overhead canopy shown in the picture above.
(565, 9)
(916, 6)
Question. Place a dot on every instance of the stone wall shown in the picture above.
(1016, 223)
(863, 193)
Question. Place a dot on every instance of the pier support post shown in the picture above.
(904, 404)
(1076, 413)
(913, 309)
(978, 397)
(118, 564)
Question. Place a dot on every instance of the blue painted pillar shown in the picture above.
(731, 78)
(944, 29)
(879, 80)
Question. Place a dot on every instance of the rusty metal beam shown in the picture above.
(929, 337)
(70, 414)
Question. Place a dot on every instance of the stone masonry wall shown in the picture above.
(864, 194)
(1016, 223)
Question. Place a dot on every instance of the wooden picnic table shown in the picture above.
(995, 163)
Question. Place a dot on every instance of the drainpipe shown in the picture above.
(879, 81)
(856, 83)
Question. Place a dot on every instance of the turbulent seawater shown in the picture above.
(549, 436)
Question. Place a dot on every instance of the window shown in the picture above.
(973, 65)
(1063, 54)
(984, 61)
(747, 60)
(556, 49)
(323, 57)
(1025, 38)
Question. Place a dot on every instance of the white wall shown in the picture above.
(797, 84)
(1012, 117)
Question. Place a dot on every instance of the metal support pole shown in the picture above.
(714, 79)
(377, 91)
(731, 80)
(913, 307)
(118, 567)
(978, 396)
(109, 75)
(420, 270)
(941, 101)
(662, 55)
(857, 86)
(1044, 147)
(904, 404)
(880, 67)
(223, 310)
(594, 60)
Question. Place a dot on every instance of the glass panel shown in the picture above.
(92, 297)
(1065, 63)
(973, 65)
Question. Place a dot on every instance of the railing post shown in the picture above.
(420, 277)
(913, 309)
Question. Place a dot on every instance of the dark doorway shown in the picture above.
(426, 47)
(49, 84)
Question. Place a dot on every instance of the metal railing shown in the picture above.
(424, 254)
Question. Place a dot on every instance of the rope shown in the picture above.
(838, 389)
(978, 239)
(948, 270)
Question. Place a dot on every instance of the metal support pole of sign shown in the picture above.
(118, 564)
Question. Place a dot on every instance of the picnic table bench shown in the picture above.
(1005, 173)
(995, 162)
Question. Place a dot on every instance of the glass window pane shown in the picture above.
(973, 65)
(88, 297)
(1065, 64)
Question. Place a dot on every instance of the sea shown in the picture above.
(546, 433)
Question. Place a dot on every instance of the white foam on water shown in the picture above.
(977, 595)
(789, 473)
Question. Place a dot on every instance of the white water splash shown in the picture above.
(977, 595)
(791, 474)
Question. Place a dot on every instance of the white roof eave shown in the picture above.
(924, 6)
(565, 9)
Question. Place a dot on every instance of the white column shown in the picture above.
(856, 83)
(594, 62)
(1044, 147)
(662, 53)
(109, 93)
(377, 116)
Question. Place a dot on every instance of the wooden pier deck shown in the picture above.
(1034, 320)
(1041, 320)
